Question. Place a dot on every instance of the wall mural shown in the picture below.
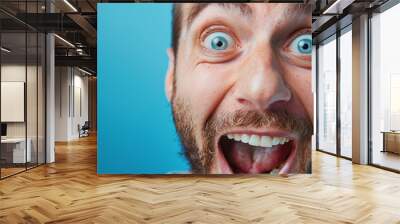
(204, 88)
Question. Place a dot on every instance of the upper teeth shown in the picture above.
(258, 140)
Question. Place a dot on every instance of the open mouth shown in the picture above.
(256, 153)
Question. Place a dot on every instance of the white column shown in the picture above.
(314, 90)
(50, 99)
(360, 90)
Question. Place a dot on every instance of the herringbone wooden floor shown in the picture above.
(69, 191)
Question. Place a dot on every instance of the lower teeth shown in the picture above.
(274, 172)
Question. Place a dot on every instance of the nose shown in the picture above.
(261, 84)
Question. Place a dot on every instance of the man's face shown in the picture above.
(240, 87)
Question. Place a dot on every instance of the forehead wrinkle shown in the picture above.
(295, 11)
(244, 9)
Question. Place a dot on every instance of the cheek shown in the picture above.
(203, 88)
(299, 81)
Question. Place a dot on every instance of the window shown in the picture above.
(22, 78)
(385, 89)
(327, 96)
(346, 93)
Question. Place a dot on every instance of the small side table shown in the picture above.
(391, 141)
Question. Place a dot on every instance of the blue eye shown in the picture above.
(302, 44)
(218, 41)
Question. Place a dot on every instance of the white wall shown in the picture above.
(62, 81)
(79, 117)
(16, 72)
(70, 84)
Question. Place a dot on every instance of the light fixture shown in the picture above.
(70, 5)
(65, 41)
(79, 51)
(5, 50)
(337, 7)
(84, 71)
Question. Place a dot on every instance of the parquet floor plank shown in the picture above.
(70, 191)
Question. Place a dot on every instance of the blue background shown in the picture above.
(136, 134)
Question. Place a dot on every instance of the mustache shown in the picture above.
(201, 153)
(245, 119)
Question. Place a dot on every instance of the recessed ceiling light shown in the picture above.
(5, 50)
(64, 40)
(338, 6)
(84, 71)
(70, 5)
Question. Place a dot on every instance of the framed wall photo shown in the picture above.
(12, 101)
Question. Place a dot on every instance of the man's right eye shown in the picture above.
(218, 41)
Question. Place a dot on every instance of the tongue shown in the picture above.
(250, 159)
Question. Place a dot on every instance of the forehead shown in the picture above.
(280, 11)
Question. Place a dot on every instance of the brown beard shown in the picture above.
(201, 157)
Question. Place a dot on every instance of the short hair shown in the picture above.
(176, 26)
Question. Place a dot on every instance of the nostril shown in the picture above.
(242, 101)
(278, 105)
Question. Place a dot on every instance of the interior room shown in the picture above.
(50, 128)
(385, 70)
(334, 100)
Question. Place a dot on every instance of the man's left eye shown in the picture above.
(302, 44)
(218, 41)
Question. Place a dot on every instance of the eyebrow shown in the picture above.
(199, 7)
